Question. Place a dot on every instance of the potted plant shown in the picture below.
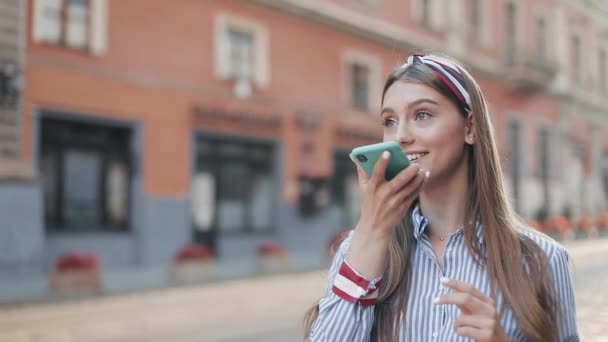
(75, 272)
(193, 262)
(536, 225)
(602, 222)
(272, 257)
(585, 224)
(560, 225)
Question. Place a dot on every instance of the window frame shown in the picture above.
(114, 150)
(96, 27)
(212, 160)
(373, 63)
(261, 72)
(358, 71)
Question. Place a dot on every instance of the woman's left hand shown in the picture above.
(478, 319)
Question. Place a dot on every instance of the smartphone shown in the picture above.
(367, 156)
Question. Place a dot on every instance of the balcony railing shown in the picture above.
(529, 72)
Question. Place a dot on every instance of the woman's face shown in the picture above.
(427, 125)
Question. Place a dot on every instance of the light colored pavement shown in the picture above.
(262, 309)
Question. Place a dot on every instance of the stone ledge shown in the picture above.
(15, 170)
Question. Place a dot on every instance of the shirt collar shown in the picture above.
(420, 224)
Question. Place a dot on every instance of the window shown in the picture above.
(426, 12)
(77, 24)
(86, 176)
(239, 176)
(241, 50)
(345, 189)
(602, 72)
(241, 55)
(475, 20)
(368, 2)
(576, 60)
(360, 75)
(543, 144)
(515, 136)
(541, 39)
(544, 153)
(511, 32)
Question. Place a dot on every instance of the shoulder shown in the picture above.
(548, 245)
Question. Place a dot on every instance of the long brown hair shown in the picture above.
(516, 265)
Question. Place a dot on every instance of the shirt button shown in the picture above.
(435, 334)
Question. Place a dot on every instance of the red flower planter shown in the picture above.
(192, 252)
(74, 261)
(270, 248)
(559, 224)
(272, 257)
(192, 263)
(585, 223)
(602, 222)
(76, 272)
(536, 225)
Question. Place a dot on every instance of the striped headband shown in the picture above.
(449, 73)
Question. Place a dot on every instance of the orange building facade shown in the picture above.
(150, 124)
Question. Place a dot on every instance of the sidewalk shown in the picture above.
(34, 289)
(225, 311)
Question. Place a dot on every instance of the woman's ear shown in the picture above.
(469, 131)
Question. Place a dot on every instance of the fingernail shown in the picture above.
(435, 300)
(427, 174)
(386, 154)
(444, 280)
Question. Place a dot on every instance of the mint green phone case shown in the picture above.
(368, 155)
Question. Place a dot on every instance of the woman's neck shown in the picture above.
(444, 204)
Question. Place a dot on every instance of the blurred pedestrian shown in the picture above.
(438, 253)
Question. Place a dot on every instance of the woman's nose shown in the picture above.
(404, 136)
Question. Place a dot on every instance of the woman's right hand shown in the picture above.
(383, 202)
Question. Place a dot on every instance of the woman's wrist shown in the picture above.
(372, 234)
(367, 253)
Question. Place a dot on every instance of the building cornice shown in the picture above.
(373, 29)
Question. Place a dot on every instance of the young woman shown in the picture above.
(438, 254)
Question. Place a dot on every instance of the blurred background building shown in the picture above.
(132, 127)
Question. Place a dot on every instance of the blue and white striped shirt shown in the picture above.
(340, 320)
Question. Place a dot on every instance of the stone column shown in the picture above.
(12, 60)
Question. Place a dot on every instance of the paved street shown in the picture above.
(262, 309)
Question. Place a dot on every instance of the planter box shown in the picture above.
(192, 271)
(75, 281)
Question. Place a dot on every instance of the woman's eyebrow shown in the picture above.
(386, 110)
(420, 101)
(410, 105)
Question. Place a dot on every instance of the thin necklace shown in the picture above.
(441, 238)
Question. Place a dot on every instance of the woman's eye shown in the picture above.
(421, 115)
(388, 122)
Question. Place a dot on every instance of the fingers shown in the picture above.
(475, 321)
(404, 177)
(466, 302)
(479, 319)
(461, 286)
(407, 194)
(379, 173)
